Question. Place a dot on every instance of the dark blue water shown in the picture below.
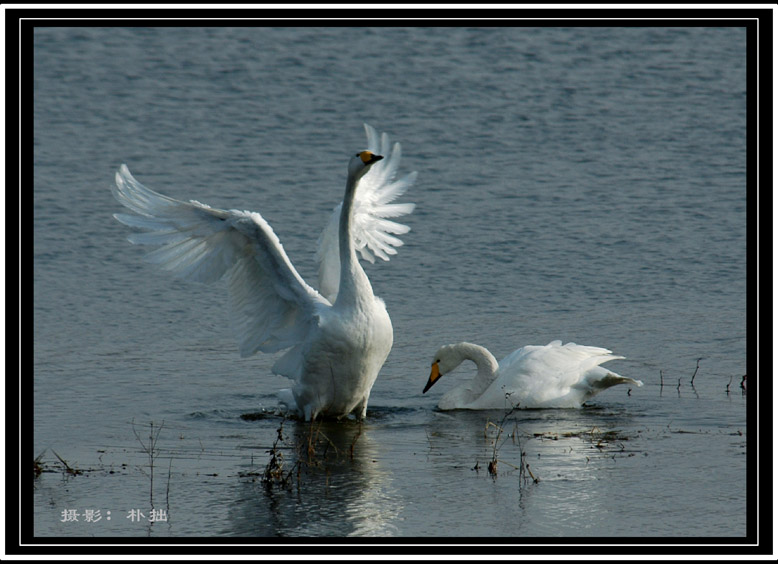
(583, 184)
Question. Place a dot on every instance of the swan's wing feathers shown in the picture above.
(379, 186)
(263, 318)
(546, 370)
(272, 306)
(394, 210)
(196, 241)
(373, 139)
(373, 231)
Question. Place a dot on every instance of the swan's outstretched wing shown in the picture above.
(272, 306)
(373, 231)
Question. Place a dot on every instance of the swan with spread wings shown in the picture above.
(337, 337)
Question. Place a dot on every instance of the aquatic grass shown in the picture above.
(525, 474)
(38, 467)
(152, 452)
(68, 469)
(312, 451)
(691, 381)
(274, 474)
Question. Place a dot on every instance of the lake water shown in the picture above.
(582, 184)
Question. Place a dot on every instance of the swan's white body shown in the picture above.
(554, 375)
(338, 337)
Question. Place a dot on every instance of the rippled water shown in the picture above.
(583, 184)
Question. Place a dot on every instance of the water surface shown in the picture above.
(583, 184)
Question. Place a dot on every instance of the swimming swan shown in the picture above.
(339, 336)
(554, 375)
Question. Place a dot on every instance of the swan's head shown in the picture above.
(361, 163)
(446, 359)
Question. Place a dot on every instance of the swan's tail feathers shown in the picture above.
(612, 379)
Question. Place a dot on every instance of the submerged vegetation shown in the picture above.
(494, 432)
(63, 466)
(694, 375)
(152, 451)
(313, 448)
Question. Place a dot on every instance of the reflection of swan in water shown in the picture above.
(341, 492)
(338, 337)
(373, 510)
(554, 375)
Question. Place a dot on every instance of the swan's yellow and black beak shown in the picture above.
(434, 377)
(369, 158)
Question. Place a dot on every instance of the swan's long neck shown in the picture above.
(354, 284)
(485, 362)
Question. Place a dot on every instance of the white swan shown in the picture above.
(338, 337)
(554, 375)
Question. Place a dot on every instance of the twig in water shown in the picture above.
(354, 441)
(492, 467)
(152, 453)
(38, 466)
(312, 442)
(68, 469)
(661, 382)
(729, 384)
(167, 489)
(695, 371)
(523, 467)
(534, 479)
(275, 466)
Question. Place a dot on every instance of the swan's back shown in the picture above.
(554, 375)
